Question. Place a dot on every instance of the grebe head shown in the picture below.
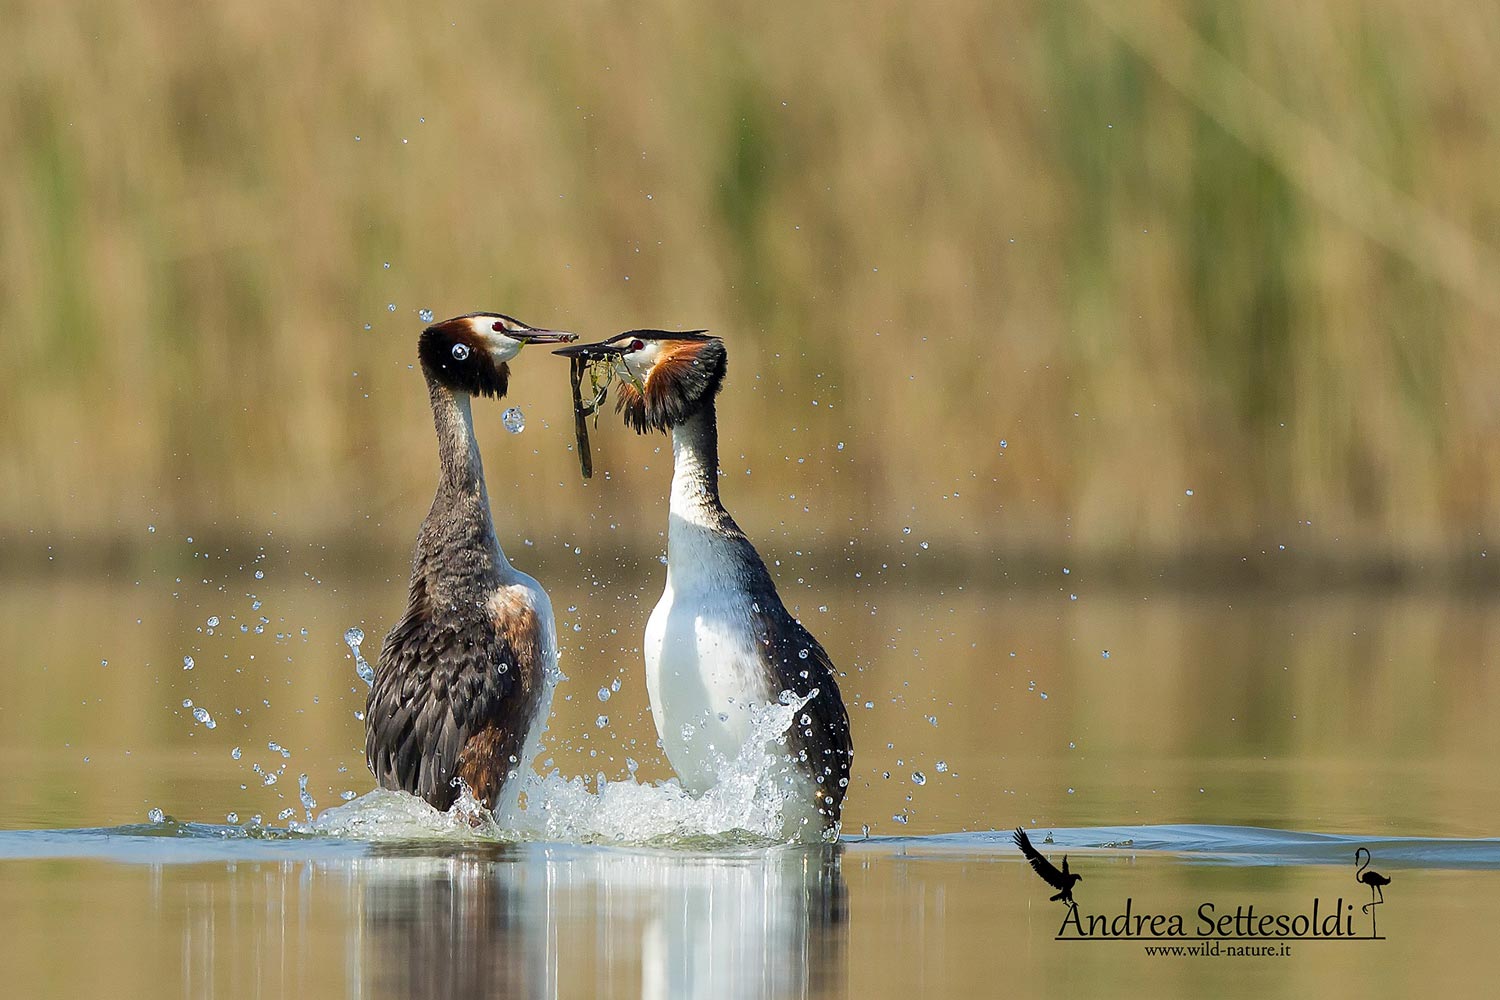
(664, 376)
(472, 353)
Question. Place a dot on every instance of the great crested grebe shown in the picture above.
(720, 641)
(464, 681)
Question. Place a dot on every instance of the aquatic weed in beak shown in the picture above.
(577, 365)
(601, 372)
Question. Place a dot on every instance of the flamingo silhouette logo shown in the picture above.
(1376, 881)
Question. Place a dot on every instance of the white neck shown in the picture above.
(700, 533)
(695, 471)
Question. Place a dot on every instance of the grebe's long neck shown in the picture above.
(458, 451)
(705, 547)
(695, 470)
(457, 547)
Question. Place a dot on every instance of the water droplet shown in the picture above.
(286, 814)
(305, 797)
(918, 778)
(601, 721)
(514, 420)
(1104, 653)
(604, 694)
(235, 753)
(1188, 492)
(213, 621)
(346, 795)
(460, 351)
(425, 315)
(187, 703)
(201, 714)
(906, 531)
(232, 818)
(802, 654)
(260, 574)
(1070, 791)
(353, 637)
(187, 663)
(1004, 444)
(942, 767)
(156, 815)
(899, 819)
(390, 307)
(387, 263)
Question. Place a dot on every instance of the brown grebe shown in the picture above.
(463, 685)
(720, 641)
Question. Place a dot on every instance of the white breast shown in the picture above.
(703, 671)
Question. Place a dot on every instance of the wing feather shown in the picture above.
(438, 685)
(823, 744)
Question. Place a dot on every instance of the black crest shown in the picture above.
(682, 381)
(454, 355)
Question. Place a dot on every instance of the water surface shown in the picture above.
(1231, 748)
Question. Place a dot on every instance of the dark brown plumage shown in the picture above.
(441, 706)
(463, 679)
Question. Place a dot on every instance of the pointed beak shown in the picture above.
(545, 337)
(590, 352)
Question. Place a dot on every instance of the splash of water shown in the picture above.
(759, 798)
(354, 637)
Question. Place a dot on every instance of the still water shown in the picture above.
(1231, 749)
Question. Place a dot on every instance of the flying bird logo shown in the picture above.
(1061, 880)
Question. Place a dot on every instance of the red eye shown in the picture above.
(637, 345)
(498, 327)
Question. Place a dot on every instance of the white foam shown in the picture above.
(759, 797)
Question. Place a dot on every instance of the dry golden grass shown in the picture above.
(1156, 247)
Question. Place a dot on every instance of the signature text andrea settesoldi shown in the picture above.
(1239, 932)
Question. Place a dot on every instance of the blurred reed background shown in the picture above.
(1040, 268)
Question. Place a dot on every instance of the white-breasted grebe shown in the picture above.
(720, 641)
(463, 685)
